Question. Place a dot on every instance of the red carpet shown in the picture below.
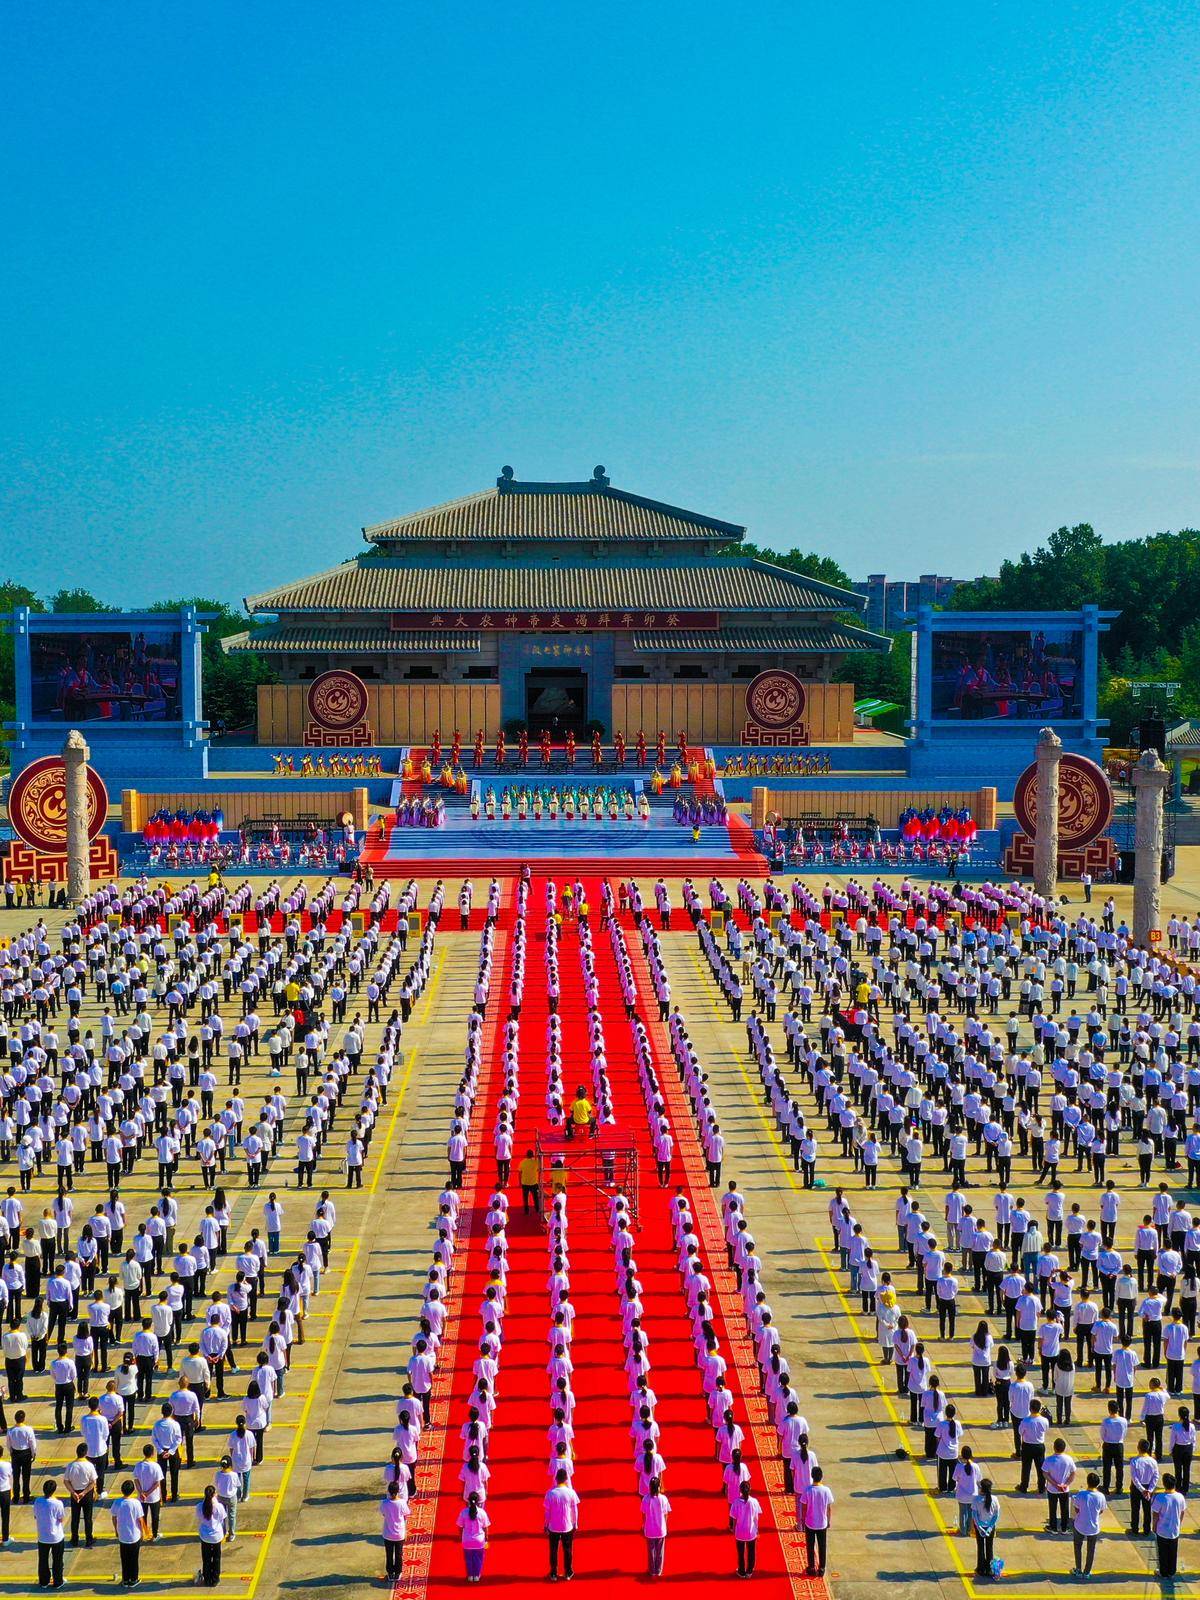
(703, 785)
(741, 837)
(609, 1548)
(415, 784)
(561, 867)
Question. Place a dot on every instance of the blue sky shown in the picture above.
(911, 287)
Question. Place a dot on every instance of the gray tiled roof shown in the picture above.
(553, 511)
(794, 641)
(281, 639)
(374, 583)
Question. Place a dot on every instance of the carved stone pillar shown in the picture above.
(1150, 780)
(1045, 840)
(75, 758)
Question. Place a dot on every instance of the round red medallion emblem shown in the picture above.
(775, 699)
(337, 700)
(1085, 802)
(37, 804)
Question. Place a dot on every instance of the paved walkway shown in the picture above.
(312, 1524)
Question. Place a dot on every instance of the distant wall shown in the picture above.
(715, 713)
(399, 713)
(885, 805)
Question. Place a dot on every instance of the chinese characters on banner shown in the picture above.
(554, 621)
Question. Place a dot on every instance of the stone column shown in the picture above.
(75, 758)
(1150, 779)
(1045, 840)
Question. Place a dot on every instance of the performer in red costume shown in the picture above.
(547, 748)
(597, 758)
(435, 753)
(479, 748)
(571, 748)
(619, 748)
(501, 749)
(523, 747)
(641, 748)
(660, 754)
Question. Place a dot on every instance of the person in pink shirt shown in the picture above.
(473, 1522)
(394, 1511)
(656, 1508)
(561, 1508)
(746, 1514)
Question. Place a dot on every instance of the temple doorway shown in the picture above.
(555, 698)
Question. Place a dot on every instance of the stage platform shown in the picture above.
(657, 845)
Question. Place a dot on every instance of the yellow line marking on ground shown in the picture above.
(867, 1350)
(337, 1307)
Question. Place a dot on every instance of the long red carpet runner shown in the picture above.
(610, 1550)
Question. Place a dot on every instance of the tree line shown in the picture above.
(1153, 582)
(1155, 585)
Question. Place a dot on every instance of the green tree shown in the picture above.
(77, 600)
(11, 595)
(230, 682)
(823, 568)
(1068, 571)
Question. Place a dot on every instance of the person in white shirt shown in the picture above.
(23, 1445)
(49, 1514)
(561, 1517)
(80, 1478)
(815, 1507)
(211, 1524)
(129, 1526)
(1143, 1483)
(1167, 1511)
(745, 1514)
(393, 1508)
(1060, 1475)
(1087, 1507)
(148, 1480)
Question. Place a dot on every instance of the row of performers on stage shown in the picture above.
(808, 764)
(707, 811)
(456, 779)
(554, 801)
(307, 846)
(415, 811)
(956, 827)
(819, 849)
(547, 748)
(358, 765)
(183, 827)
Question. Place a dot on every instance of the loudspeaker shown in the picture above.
(1152, 735)
(1125, 865)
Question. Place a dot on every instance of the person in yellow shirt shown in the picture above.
(528, 1173)
(582, 1115)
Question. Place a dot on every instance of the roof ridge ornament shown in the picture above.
(506, 478)
(599, 478)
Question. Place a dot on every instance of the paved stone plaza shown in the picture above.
(311, 1525)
